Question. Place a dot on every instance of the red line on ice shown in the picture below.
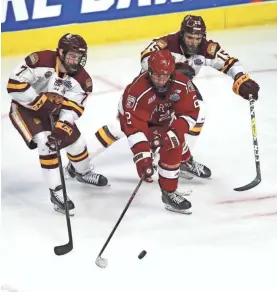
(260, 215)
(243, 200)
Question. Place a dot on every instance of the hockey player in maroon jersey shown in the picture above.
(156, 110)
(54, 81)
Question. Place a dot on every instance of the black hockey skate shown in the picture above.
(90, 177)
(193, 168)
(176, 203)
(58, 201)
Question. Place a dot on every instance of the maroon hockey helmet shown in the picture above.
(192, 25)
(74, 55)
(161, 66)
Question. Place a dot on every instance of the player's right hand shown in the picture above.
(44, 104)
(144, 163)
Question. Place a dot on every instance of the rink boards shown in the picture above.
(30, 30)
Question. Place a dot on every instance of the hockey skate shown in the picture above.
(193, 168)
(90, 177)
(176, 203)
(57, 199)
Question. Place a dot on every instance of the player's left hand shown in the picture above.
(244, 86)
(166, 140)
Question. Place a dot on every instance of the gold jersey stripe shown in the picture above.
(49, 161)
(17, 86)
(77, 158)
(105, 137)
(196, 129)
(73, 105)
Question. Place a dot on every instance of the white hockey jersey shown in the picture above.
(210, 54)
(39, 73)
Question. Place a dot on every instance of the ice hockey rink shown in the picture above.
(229, 243)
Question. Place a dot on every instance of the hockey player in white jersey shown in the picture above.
(192, 51)
(54, 83)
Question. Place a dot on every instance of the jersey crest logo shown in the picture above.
(67, 84)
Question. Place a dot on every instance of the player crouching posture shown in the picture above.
(156, 110)
(54, 83)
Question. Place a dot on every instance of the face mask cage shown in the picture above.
(160, 81)
(192, 41)
(73, 61)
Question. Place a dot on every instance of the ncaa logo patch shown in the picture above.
(47, 74)
(198, 62)
(131, 100)
(174, 97)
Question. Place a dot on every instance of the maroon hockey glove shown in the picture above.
(60, 134)
(244, 86)
(46, 103)
(144, 163)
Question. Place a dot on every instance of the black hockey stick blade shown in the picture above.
(63, 249)
(250, 186)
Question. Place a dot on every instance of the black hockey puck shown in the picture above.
(142, 254)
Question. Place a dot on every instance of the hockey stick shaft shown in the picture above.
(63, 249)
(255, 139)
(121, 216)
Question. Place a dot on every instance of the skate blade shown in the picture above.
(171, 209)
(93, 185)
(186, 175)
(57, 209)
(190, 176)
(183, 194)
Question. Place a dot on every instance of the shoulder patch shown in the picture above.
(88, 84)
(161, 43)
(130, 102)
(32, 60)
(211, 49)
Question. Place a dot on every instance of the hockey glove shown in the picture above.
(144, 163)
(166, 140)
(244, 86)
(60, 134)
(46, 103)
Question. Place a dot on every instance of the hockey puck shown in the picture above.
(142, 254)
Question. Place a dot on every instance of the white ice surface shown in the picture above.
(220, 247)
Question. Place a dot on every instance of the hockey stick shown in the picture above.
(66, 248)
(258, 177)
(101, 262)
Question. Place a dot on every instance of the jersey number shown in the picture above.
(128, 118)
(195, 101)
(23, 69)
(223, 55)
(153, 47)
